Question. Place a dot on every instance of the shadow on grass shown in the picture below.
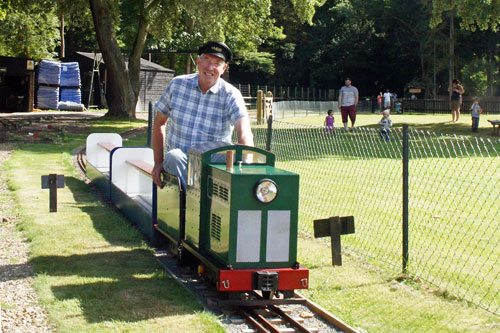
(123, 285)
(106, 219)
(134, 286)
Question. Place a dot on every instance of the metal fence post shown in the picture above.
(269, 132)
(150, 123)
(405, 196)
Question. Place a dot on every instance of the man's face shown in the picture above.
(210, 69)
(348, 82)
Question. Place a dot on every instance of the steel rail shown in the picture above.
(293, 322)
(266, 323)
(327, 316)
(252, 321)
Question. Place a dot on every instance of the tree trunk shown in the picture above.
(490, 67)
(189, 23)
(171, 61)
(134, 64)
(62, 49)
(121, 97)
(451, 63)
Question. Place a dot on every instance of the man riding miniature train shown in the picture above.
(202, 108)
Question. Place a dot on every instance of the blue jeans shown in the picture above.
(175, 163)
(475, 123)
(384, 134)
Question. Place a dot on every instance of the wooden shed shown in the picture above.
(154, 79)
(17, 84)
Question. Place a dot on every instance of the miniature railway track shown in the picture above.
(281, 318)
(259, 317)
(263, 324)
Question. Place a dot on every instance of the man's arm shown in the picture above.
(158, 140)
(244, 132)
(340, 99)
(357, 98)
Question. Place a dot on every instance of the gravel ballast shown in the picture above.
(19, 307)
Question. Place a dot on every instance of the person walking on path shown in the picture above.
(457, 90)
(202, 108)
(348, 99)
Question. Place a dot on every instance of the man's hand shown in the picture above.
(157, 169)
(158, 141)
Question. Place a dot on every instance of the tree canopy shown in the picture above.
(394, 44)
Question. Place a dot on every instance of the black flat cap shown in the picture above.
(215, 48)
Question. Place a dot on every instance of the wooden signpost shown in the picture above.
(334, 227)
(53, 182)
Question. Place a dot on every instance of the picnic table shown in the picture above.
(496, 126)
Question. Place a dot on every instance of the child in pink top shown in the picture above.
(329, 120)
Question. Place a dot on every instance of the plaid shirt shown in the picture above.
(197, 118)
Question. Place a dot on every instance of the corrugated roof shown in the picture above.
(146, 65)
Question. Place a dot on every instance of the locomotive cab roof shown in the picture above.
(215, 153)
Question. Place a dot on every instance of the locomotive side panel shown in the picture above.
(169, 208)
(253, 234)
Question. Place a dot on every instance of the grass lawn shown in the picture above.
(426, 122)
(454, 219)
(94, 273)
(373, 300)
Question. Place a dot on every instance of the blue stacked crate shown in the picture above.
(70, 83)
(48, 84)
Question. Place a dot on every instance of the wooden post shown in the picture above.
(53, 182)
(53, 192)
(334, 227)
(260, 104)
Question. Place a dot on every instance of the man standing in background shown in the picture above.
(348, 99)
(387, 99)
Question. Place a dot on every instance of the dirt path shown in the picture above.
(19, 307)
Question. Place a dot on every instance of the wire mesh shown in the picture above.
(288, 109)
(454, 218)
(454, 184)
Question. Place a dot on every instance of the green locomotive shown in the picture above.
(240, 222)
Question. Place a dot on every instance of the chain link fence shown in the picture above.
(453, 206)
(453, 199)
(290, 109)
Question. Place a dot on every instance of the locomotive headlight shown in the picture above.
(266, 190)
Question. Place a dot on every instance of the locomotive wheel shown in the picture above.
(182, 256)
(267, 294)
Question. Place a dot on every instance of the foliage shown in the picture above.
(79, 28)
(242, 24)
(259, 64)
(382, 44)
(473, 14)
(28, 29)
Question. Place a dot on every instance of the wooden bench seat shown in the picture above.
(496, 126)
(143, 166)
(107, 145)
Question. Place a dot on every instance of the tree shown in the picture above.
(242, 24)
(28, 29)
(473, 15)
